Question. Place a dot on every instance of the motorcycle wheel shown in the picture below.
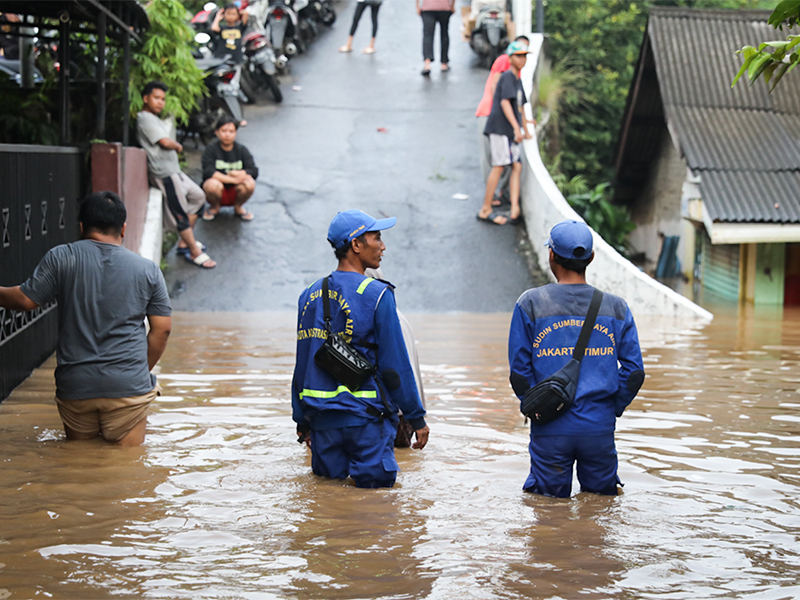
(248, 87)
(272, 85)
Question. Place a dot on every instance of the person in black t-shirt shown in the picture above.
(229, 173)
(506, 127)
(230, 24)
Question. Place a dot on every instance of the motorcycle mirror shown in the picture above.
(202, 38)
(209, 6)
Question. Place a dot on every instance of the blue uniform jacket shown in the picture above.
(544, 330)
(363, 310)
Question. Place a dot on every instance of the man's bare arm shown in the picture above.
(231, 178)
(508, 111)
(160, 328)
(170, 144)
(13, 298)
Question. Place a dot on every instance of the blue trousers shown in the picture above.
(364, 452)
(553, 456)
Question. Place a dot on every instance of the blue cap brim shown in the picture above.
(381, 224)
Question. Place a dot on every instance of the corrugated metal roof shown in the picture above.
(695, 52)
(743, 142)
(719, 138)
(751, 196)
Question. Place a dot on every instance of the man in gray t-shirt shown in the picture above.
(184, 199)
(104, 293)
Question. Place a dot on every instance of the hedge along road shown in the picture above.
(368, 132)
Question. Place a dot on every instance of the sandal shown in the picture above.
(491, 218)
(200, 260)
(426, 72)
(346, 49)
(209, 216)
(368, 50)
(198, 243)
(245, 216)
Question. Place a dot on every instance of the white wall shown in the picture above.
(543, 206)
(150, 246)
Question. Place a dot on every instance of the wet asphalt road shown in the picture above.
(365, 132)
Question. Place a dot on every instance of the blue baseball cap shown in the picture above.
(350, 224)
(571, 239)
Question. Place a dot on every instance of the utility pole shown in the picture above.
(539, 16)
(26, 56)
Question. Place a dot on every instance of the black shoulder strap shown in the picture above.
(588, 325)
(326, 304)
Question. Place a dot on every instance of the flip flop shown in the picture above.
(368, 50)
(199, 260)
(245, 216)
(515, 221)
(490, 218)
(209, 216)
(426, 72)
(445, 69)
(199, 244)
(345, 49)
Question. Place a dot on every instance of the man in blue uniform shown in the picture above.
(352, 432)
(544, 331)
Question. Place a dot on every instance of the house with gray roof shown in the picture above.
(712, 173)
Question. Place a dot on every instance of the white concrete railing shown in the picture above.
(543, 205)
(150, 246)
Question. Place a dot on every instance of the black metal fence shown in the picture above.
(40, 187)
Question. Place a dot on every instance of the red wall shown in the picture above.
(124, 172)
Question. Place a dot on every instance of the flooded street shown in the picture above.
(221, 502)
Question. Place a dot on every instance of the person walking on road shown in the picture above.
(361, 6)
(229, 173)
(185, 199)
(433, 12)
(351, 432)
(545, 326)
(506, 128)
(104, 291)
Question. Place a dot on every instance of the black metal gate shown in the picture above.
(40, 187)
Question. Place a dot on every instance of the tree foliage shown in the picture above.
(602, 39)
(613, 223)
(166, 55)
(25, 118)
(775, 59)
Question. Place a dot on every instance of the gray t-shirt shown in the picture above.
(104, 292)
(161, 162)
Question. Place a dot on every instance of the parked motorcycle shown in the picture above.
(489, 36)
(280, 21)
(322, 12)
(259, 71)
(260, 63)
(224, 94)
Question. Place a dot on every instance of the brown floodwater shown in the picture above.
(221, 502)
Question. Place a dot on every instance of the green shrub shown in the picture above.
(166, 56)
(612, 222)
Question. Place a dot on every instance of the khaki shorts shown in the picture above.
(504, 150)
(182, 197)
(113, 418)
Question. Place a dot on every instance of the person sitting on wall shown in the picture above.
(229, 173)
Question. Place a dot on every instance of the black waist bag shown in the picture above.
(338, 358)
(552, 397)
